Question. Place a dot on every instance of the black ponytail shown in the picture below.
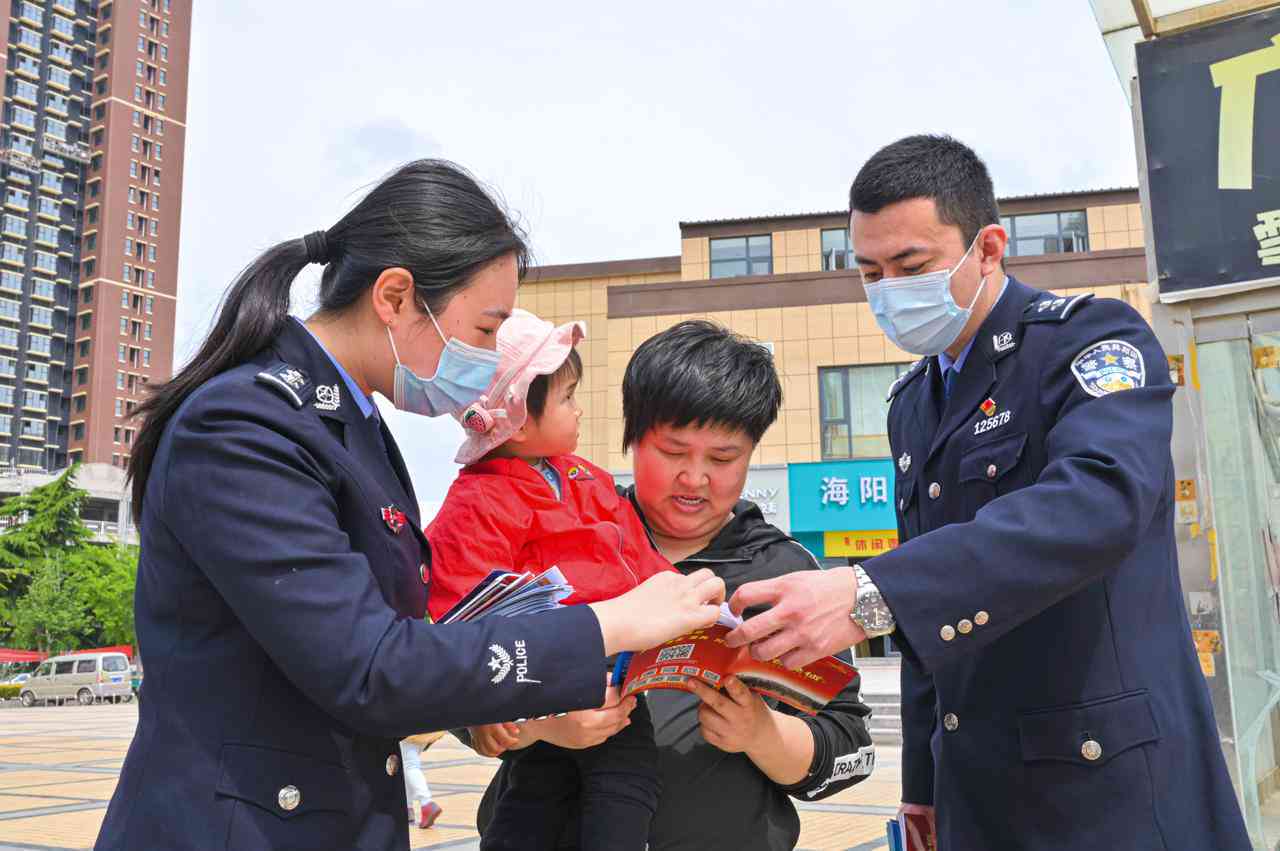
(429, 216)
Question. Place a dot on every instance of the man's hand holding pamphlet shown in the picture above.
(703, 655)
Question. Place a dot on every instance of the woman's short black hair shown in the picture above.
(535, 401)
(699, 373)
(934, 167)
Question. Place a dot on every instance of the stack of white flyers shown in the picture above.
(508, 594)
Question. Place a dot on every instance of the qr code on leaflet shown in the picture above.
(680, 651)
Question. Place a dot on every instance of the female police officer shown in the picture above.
(281, 584)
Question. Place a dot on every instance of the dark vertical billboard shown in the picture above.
(1211, 127)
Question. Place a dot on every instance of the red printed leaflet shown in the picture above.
(703, 655)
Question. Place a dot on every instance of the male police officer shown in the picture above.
(1051, 697)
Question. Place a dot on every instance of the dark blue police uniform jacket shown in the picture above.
(281, 617)
(1051, 695)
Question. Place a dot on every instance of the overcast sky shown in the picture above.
(603, 125)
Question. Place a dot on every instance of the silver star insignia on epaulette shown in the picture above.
(328, 398)
(293, 378)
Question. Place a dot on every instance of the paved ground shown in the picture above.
(59, 766)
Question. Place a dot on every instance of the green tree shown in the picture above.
(89, 585)
(50, 616)
(41, 522)
(104, 578)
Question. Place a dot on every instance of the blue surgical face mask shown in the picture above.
(463, 373)
(917, 313)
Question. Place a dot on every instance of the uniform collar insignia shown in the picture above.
(328, 397)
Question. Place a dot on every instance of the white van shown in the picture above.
(83, 677)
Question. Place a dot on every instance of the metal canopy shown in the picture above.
(1124, 23)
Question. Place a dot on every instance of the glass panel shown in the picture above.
(728, 249)
(758, 267)
(835, 249)
(728, 268)
(760, 246)
(1030, 247)
(1241, 410)
(835, 440)
(1043, 224)
(87, 666)
(832, 389)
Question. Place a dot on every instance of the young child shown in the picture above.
(525, 502)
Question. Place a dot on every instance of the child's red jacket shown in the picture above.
(503, 515)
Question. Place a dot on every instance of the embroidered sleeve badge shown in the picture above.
(1109, 366)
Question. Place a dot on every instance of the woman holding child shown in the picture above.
(696, 401)
(280, 593)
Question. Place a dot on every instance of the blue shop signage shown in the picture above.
(850, 495)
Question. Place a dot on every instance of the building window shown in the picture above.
(147, 332)
(79, 406)
(119, 380)
(151, 253)
(42, 316)
(6, 395)
(46, 262)
(146, 357)
(124, 325)
(742, 255)
(853, 410)
(89, 267)
(84, 348)
(22, 117)
(11, 281)
(836, 253)
(124, 299)
(39, 343)
(77, 431)
(1047, 233)
(151, 303)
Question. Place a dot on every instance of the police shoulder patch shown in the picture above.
(902, 380)
(1052, 308)
(289, 381)
(1109, 366)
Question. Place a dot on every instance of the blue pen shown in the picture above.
(620, 668)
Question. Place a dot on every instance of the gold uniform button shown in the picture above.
(948, 632)
(1091, 751)
(935, 490)
(991, 471)
(951, 722)
(965, 626)
(981, 618)
(289, 798)
(393, 763)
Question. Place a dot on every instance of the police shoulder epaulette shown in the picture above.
(289, 381)
(1053, 308)
(902, 380)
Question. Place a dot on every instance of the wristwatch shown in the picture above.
(870, 611)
